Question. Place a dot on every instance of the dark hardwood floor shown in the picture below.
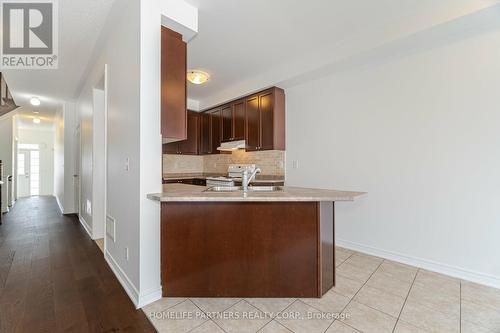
(53, 277)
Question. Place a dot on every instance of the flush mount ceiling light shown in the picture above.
(35, 101)
(197, 77)
(36, 120)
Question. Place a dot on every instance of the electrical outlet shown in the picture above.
(295, 164)
(126, 253)
(127, 164)
(89, 207)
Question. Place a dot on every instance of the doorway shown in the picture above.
(28, 170)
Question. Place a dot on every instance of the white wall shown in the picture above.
(45, 140)
(6, 155)
(420, 134)
(130, 37)
(65, 139)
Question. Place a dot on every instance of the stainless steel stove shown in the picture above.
(234, 171)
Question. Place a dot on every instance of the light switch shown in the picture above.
(127, 164)
(295, 164)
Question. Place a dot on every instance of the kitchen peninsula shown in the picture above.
(247, 244)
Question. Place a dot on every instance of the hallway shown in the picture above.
(54, 278)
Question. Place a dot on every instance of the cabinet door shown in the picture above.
(239, 120)
(171, 148)
(216, 130)
(205, 146)
(190, 146)
(266, 107)
(173, 86)
(227, 122)
(252, 123)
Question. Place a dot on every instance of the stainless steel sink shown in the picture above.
(224, 189)
(265, 188)
(240, 189)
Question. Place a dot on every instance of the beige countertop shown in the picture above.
(187, 193)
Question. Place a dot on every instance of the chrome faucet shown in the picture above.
(248, 179)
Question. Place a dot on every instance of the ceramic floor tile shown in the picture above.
(342, 254)
(302, 318)
(214, 305)
(429, 319)
(354, 272)
(380, 300)
(480, 294)
(241, 318)
(402, 327)
(366, 319)
(274, 327)
(482, 315)
(346, 286)
(468, 327)
(437, 299)
(208, 327)
(180, 318)
(331, 302)
(364, 261)
(438, 281)
(389, 284)
(271, 306)
(161, 305)
(398, 271)
(339, 327)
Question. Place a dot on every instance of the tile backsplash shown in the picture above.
(182, 164)
(271, 162)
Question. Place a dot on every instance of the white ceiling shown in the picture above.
(80, 23)
(249, 44)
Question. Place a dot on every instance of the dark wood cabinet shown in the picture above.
(215, 130)
(259, 119)
(191, 145)
(227, 122)
(211, 131)
(173, 86)
(233, 121)
(265, 120)
(205, 144)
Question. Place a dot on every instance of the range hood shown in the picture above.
(232, 145)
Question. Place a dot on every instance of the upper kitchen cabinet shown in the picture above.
(265, 120)
(233, 121)
(191, 145)
(211, 131)
(173, 86)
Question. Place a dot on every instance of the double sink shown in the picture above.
(241, 189)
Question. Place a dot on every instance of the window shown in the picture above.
(28, 146)
(20, 164)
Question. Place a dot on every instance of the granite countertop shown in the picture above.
(192, 193)
(258, 178)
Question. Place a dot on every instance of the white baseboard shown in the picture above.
(139, 299)
(59, 204)
(85, 225)
(149, 297)
(433, 266)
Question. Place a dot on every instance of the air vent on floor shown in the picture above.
(110, 227)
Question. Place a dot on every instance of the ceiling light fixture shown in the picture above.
(197, 77)
(36, 120)
(35, 101)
